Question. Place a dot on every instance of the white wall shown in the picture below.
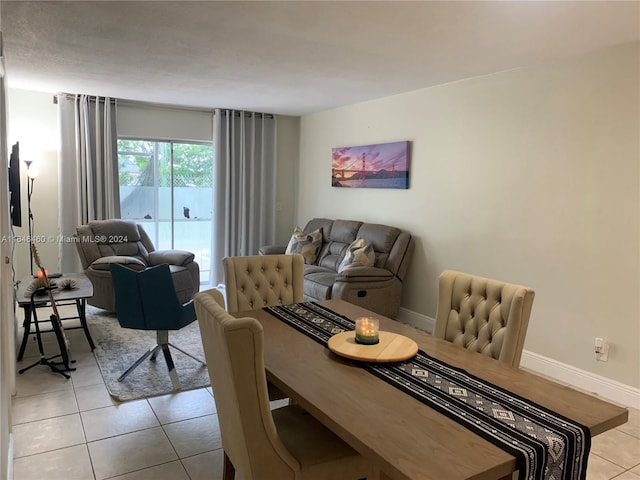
(288, 144)
(529, 176)
(33, 121)
(164, 123)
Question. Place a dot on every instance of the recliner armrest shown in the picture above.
(172, 257)
(103, 263)
(363, 274)
(272, 250)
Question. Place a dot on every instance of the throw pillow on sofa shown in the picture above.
(308, 245)
(359, 254)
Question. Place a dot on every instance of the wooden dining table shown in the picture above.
(401, 437)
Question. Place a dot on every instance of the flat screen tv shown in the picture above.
(14, 186)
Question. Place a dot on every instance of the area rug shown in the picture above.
(117, 348)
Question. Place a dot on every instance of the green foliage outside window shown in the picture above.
(192, 164)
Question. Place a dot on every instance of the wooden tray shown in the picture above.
(391, 348)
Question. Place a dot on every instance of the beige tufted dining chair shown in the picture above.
(284, 444)
(263, 280)
(483, 315)
(215, 294)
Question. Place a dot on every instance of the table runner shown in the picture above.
(546, 445)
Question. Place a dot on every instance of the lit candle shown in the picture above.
(41, 276)
(367, 330)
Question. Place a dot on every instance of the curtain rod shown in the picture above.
(246, 113)
(138, 103)
(72, 96)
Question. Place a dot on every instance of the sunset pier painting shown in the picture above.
(384, 165)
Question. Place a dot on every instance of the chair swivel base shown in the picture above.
(162, 344)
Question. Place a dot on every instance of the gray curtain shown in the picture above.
(88, 167)
(244, 185)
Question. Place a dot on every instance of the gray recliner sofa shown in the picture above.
(102, 242)
(378, 287)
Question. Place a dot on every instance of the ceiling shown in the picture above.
(291, 57)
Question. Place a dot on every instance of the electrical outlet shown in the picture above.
(601, 350)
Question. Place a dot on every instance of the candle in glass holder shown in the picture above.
(41, 276)
(367, 330)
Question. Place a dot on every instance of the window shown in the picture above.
(167, 186)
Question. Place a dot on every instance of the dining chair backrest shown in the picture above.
(483, 315)
(234, 352)
(263, 280)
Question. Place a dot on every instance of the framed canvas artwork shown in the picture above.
(383, 165)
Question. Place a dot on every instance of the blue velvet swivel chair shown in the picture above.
(147, 300)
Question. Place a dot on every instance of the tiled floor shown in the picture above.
(72, 429)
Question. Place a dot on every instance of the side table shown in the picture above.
(78, 295)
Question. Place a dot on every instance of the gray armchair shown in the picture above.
(103, 242)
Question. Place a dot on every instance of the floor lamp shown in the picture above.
(32, 173)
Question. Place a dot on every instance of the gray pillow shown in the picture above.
(306, 244)
(359, 254)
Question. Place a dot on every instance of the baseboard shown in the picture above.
(10, 458)
(417, 320)
(582, 380)
(606, 388)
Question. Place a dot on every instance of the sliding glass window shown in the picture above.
(167, 186)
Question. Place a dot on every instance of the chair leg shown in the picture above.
(187, 354)
(172, 368)
(162, 337)
(228, 470)
(151, 351)
(163, 342)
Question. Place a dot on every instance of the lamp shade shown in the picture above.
(32, 171)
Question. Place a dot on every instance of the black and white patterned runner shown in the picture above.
(547, 446)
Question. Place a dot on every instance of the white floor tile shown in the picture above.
(617, 447)
(46, 435)
(46, 405)
(39, 379)
(49, 344)
(628, 476)
(194, 436)
(118, 419)
(130, 452)
(65, 464)
(632, 427)
(183, 405)
(84, 358)
(86, 375)
(206, 466)
(601, 469)
(94, 396)
(167, 471)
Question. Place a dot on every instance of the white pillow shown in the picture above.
(308, 245)
(359, 254)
